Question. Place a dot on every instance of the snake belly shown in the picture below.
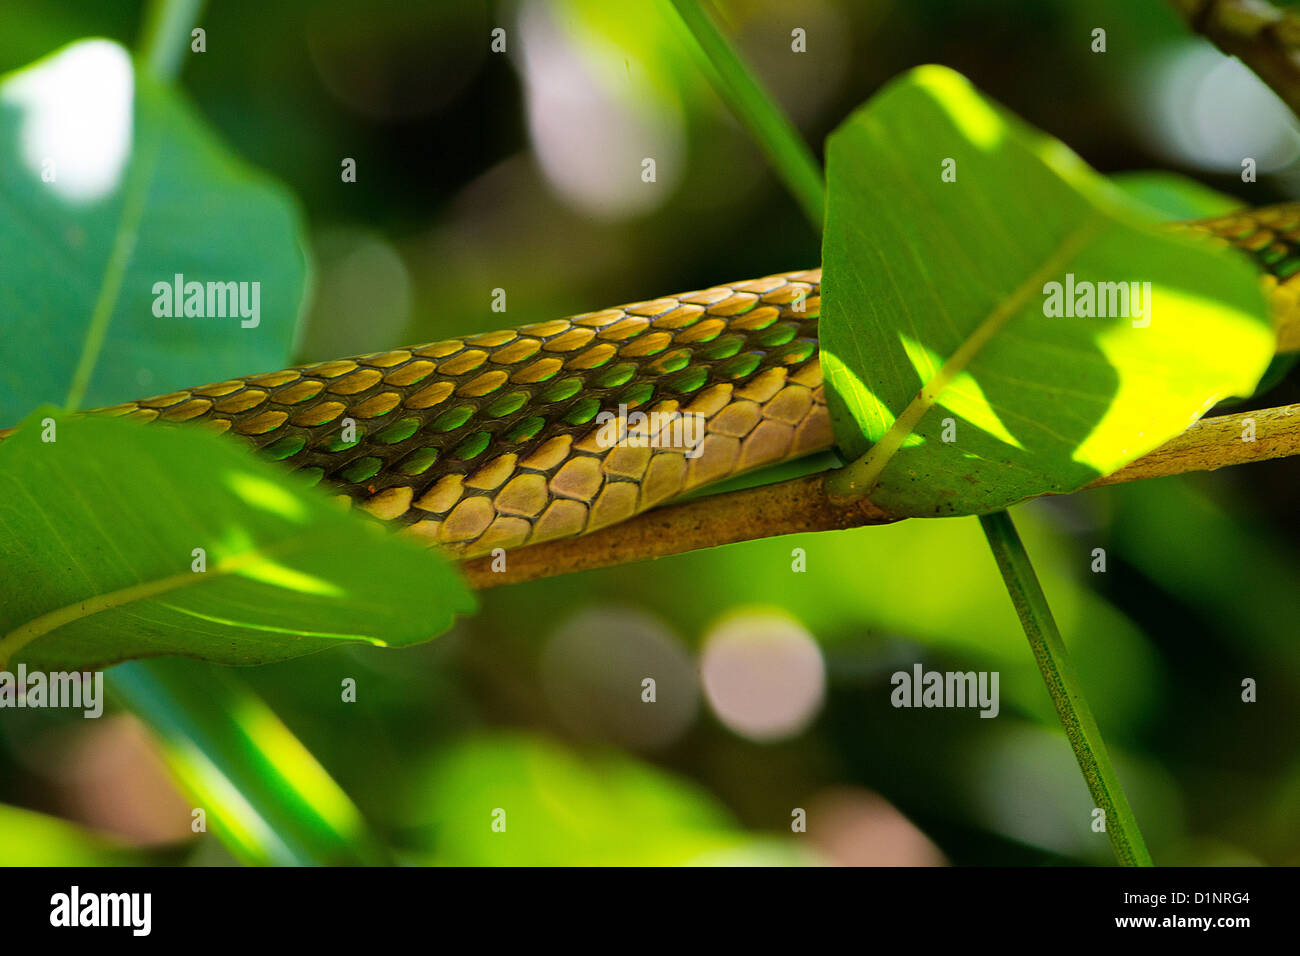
(498, 440)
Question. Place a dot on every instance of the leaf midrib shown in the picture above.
(51, 621)
(138, 181)
(859, 478)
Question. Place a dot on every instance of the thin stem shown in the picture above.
(1065, 689)
(165, 36)
(755, 108)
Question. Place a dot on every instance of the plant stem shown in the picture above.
(801, 505)
(165, 36)
(802, 174)
(1065, 689)
(755, 108)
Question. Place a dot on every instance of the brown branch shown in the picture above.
(800, 505)
(1262, 36)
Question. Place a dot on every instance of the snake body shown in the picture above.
(496, 440)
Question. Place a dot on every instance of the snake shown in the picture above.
(516, 437)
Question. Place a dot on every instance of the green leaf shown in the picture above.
(934, 307)
(98, 532)
(141, 191)
(1172, 197)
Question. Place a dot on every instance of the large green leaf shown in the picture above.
(935, 324)
(139, 192)
(97, 537)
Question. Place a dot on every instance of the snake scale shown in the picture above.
(492, 440)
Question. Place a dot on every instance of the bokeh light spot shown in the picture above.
(856, 827)
(593, 672)
(1196, 106)
(763, 675)
(76, 127)
(590, 132)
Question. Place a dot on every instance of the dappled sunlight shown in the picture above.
(383, 593)
(1170, 354)
(264, 495)
(875, 416)
(77, 119)
(239, 556)
(963, 106)
(962, 397)
(1064, 161)
(241, 824)
(282, 576)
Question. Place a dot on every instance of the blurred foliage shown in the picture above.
(262, 792)
(455, 198)
(35, 839)
(542, 806)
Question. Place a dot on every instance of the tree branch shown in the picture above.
(1265, 38)
(799, 505)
